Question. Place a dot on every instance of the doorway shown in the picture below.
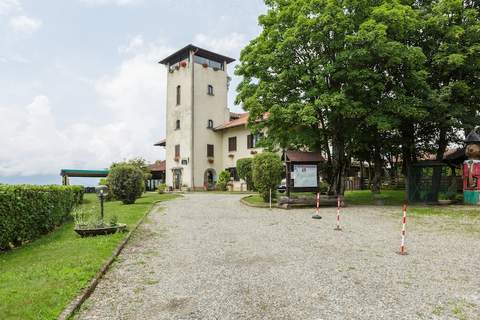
(209, 179)
(177, 179)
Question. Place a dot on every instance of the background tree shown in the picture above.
(126, 182)
(327, 71)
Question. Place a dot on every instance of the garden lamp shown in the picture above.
(102, 192)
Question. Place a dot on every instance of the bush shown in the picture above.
(223, 180)
(244, 168)
(161, 188)
(126, 182)
(267, 173)
(27, 212)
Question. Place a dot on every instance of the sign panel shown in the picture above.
(304, 176)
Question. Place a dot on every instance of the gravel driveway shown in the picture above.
(206, 256)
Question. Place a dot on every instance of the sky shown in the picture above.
(80, 83)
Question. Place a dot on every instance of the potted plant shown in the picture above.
(87, 224)
(161, 188)
(183, 63)
(210, 159)
(205, 65)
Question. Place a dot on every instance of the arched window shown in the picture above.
(210, 90)
(177, 125)
(210, 124)
(179, 92)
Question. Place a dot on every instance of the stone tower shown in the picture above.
(197, 88)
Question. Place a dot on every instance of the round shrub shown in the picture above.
(223, 180)
(244, 168)
(267, 173)
(126, 182)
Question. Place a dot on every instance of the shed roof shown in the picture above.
(158, 166)
(84, 173)
(302, 156)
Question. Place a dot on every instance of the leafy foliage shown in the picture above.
(27, 212)
(126, 182)
(223, 180)
(162, 188)
(346, 76)
(267, 173)
(244, 168)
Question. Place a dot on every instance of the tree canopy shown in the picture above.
(344, 76)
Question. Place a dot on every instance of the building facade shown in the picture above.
(203, 137)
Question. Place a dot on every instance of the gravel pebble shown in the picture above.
(206, 256)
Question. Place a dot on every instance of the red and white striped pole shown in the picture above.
(403, 250)
(317, 215)
(338, 228)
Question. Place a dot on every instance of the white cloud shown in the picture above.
(8, 7)
(33, 141)
(111, 2)
(229, 44)
(25, 24)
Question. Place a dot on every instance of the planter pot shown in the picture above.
(205, 65)
(100, 231)
(445, 202)
(183, 64)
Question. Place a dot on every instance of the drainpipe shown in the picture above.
(193, 118)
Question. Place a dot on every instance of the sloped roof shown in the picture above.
(301, 156)
(159, 165)
(240, 121)
(161, 143)
(199, 52)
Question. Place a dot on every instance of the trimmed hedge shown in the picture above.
(27, 212)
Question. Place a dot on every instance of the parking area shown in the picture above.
(207, 256)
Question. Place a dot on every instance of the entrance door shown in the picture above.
(177, 179)
(209, 179)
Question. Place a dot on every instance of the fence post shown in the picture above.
(403, 250)
(338, 228)
(317, 215)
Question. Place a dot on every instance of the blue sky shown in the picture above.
(80, 86)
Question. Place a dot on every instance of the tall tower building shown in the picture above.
(197, 87)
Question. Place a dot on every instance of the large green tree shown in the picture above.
(329, 71)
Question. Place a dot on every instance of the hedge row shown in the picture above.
(27, 212)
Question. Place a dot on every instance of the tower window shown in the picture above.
(179, 92)
(210, 90)
(177, 151)
(210, 124)
(177, 125)
(210, 151)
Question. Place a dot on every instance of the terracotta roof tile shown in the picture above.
(157, 166)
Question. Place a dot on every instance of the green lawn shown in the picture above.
(39, 279)
(258, 200)
(390, 197)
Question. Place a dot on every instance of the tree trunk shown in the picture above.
(437, 171)
(339, 163)
(377, 169)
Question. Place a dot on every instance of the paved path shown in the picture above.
(206, 256)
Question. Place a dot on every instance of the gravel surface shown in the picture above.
(206, 256)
